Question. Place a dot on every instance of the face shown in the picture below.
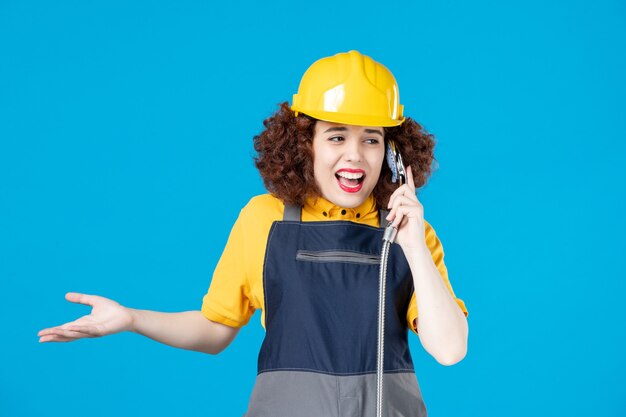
(346, 161)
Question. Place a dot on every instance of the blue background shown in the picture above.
(126, 155)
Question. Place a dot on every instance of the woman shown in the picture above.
(308, 254)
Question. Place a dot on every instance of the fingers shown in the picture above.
(50, 330)
(403, 190)
(58, 334)
(55, 338)
(403, 206)
(59, 331)
(402, 214)
(409, 178)
(403, 200)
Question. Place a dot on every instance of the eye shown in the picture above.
(372, 141)
(336, 139)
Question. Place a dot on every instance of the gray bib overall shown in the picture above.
(318, 358)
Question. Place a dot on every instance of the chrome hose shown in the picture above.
(388, 237)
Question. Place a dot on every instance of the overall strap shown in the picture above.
(292, 213)
(383, 217)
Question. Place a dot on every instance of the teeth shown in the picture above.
(350, 175)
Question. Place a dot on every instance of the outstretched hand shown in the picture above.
(407, 215)
(107, 317)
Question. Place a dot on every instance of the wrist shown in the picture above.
(134, 319)
(417, 252)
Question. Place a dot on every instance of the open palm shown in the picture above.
(107, 317)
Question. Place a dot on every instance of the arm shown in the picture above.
(442, 326)
(188, 330)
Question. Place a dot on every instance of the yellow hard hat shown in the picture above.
(349, 88)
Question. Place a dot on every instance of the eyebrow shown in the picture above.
(343, 129)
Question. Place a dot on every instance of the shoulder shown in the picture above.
(263, 208)
(254, 224)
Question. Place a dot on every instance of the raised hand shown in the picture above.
(407, 215)
(107, 317)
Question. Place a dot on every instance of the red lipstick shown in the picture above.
(351, 188)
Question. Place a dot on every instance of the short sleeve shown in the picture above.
(436, 251)
(228, 300)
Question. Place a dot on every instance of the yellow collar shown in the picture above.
(319, 208)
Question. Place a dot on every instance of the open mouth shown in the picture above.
(350, 180)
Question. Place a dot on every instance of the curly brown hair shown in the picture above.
(285, 156)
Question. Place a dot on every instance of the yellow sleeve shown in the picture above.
(228, 300)
(436, 251)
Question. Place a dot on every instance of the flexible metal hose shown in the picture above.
(388, 237)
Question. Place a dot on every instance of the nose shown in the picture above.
(353, 151)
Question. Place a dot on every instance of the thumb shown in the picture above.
(79, 298)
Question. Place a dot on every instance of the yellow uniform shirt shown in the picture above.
(236, 290)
